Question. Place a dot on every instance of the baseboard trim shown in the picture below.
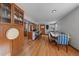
(73, 47)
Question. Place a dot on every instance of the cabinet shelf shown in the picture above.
(18, 21)
(6, 20)
(18, 16)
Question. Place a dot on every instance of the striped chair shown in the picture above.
(63, 40)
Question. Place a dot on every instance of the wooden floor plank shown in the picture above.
(42, 47)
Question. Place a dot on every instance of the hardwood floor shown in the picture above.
(42, 47)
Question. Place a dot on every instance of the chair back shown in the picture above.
(63, 39)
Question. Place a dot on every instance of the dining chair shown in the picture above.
(63, 40)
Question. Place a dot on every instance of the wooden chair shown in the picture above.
(63, 40)
(51, 38)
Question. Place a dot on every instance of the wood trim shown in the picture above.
(12, 13)
(74, 47)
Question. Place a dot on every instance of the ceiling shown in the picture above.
(42, 12)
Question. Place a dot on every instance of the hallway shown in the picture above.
(42, 47)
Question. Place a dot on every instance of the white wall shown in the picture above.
(70, 24)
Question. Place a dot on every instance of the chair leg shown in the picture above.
(66, 48)
(48, 36)
(58, 47)
(55, 43)
(49, 40)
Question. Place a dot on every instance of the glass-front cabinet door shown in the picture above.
(10, 13)
(5, 13)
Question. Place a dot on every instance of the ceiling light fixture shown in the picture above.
(53, 11)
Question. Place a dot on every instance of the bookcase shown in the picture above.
(12, 16)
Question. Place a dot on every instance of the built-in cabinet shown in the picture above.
(11, 16)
